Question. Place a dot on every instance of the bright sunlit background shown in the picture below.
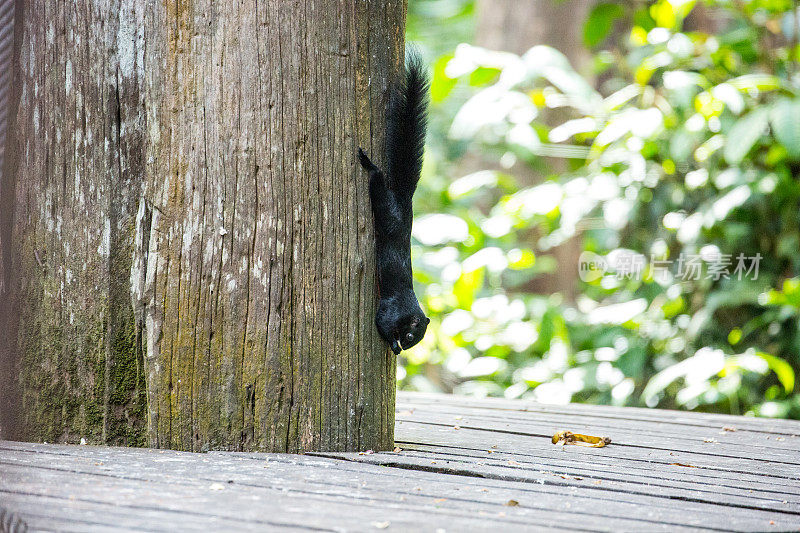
(664, 138)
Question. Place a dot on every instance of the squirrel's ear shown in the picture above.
(427, 321)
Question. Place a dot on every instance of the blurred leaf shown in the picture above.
(788, 295)
(744, 134)
(471, 183)
(599, 23)
(482, 366)
(482, 76)
(547, 62)
(782, 369)
(785, 120)
(441, 84)
(727, 93)
(663, 14)
(467, 287)
(761, 82)
(521, 259)
(705, 363)
(643, 19)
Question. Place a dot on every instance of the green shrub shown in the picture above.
(680, 178)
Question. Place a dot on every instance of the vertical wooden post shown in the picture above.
(195, 225)
(9, 31)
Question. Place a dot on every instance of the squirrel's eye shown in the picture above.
(410, 337)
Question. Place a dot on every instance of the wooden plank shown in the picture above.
(349, 498)
(684, 418)
(11, 522)
(78, 515)
(552, 459)
(411, 433)
(772, 438)
(186, 469)
(598, 468)
(628, 486)
(778, 438)
(657, 475)
(785, 451)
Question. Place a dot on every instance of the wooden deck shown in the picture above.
(464, 465)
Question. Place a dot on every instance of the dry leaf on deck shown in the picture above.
(568, 437)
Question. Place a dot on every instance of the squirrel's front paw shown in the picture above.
(396, 347)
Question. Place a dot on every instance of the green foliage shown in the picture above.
(600, 21)
(683, 163)
(785, 121)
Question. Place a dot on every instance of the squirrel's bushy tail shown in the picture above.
(406, 124)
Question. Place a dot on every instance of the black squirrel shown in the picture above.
(399, 319)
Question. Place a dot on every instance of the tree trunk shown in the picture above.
(517, 25)
(8, 34)
(195, 234)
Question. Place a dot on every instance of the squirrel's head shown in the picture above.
(409, 332)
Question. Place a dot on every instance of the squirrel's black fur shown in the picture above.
(399, 319)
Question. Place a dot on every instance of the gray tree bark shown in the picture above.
(193, 241)
(8, 35)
